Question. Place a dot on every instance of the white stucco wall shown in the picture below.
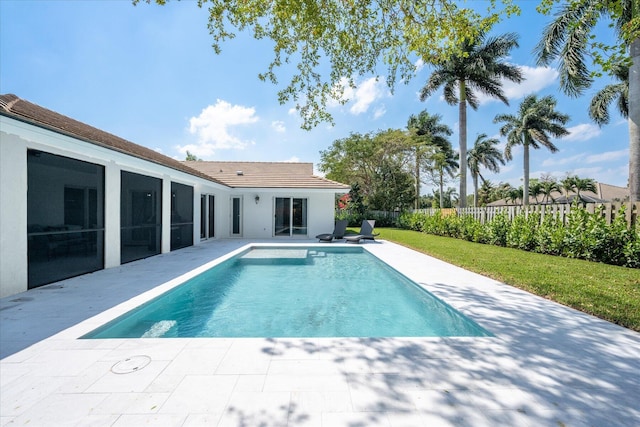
(13, 214)
(258, 218)
(16, 137)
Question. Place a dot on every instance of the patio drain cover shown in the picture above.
(131, 364)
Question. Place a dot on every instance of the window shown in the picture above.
(65, 217)
(236, 217)
(140, 216)
(181, 216)
(207, 216)
(290, 217)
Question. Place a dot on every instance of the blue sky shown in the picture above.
(149, 74)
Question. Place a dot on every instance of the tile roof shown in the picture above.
(605, 193)
(265, 175)
(20, 109)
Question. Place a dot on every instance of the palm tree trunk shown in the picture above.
(441, 188)
(634, 121)
(417, 178)
(462, 111)
(475, 190)
(525, 189)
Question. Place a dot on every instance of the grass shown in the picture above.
(609, 292)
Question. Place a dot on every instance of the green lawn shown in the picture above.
(606, 291)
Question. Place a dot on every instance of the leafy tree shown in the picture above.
(481, 67)
(484, 153)
(393, 188)
(192, 157)
(428, 132)
(568, 39)
(352, 37)
(367, 161)
(445, 199)
(536, 120)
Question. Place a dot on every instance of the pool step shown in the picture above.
(159, 329)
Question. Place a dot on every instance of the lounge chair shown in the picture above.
(338, 232)
(366, 232)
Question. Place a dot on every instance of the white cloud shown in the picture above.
(582, 132)
(379, 111)
(556, 161)
(534, 80)
(213, 128)
(362, 96)
(587, 172)
(419, 64)
(607, 156)
(278, 126)
(292, 111)
(292, 159)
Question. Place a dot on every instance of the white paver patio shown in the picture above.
(547, 365)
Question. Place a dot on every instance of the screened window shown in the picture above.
(140, 216)
(181, 216)
(65, 217)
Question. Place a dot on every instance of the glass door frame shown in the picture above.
(289, 204)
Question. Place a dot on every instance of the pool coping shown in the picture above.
(546, 364)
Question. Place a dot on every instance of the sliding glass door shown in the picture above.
(290, 216)
(65, 217)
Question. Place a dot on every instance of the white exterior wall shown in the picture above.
(13, 214)
(258, 218)
(17, 137)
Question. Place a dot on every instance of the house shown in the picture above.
(605, 193)
(75, 199)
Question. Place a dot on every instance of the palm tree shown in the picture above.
(536, 120)
(599, 107)
(568, 38)
(547, 187)
(428, 131)
(487, 192)
(584, 184)
(444, 161)
(568, 184)
(535, 189)
(479, 68)
(484, 153)
(514, 194)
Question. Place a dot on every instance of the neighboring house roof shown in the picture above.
(20, 109)
(605, 193)
(612, 193)
(265, 175)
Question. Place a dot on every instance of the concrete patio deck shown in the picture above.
(547, 365)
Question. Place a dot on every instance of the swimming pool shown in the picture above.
(332, 291)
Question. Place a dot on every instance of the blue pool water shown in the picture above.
(295, 292)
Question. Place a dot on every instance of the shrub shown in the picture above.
(498, 228)
(550, 235)
(522, 233)
(585, 235)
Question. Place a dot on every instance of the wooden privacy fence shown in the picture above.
(487, 213)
